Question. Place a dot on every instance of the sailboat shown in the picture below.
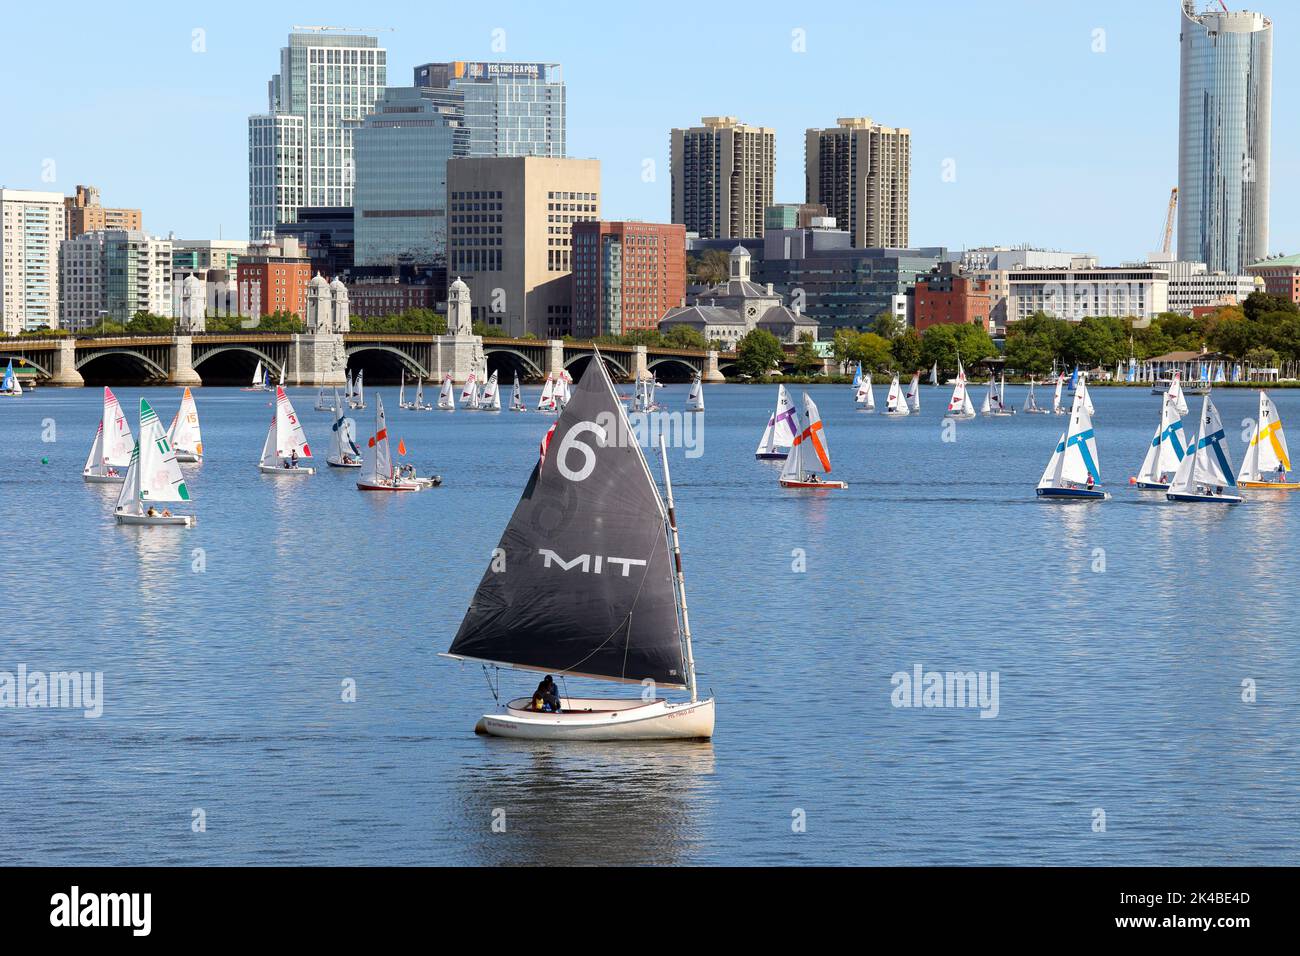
(420, 405)
(469, 394)
(1074, 470)
(490, 399)
(1031, 406)
(960, 405)
(184, 433)
(382, 476)
(782, 427)
(695, 398)
(857, 378)
(286, 444)
(517, 397)
(895, 403)
(934, 374)
(110, 454)
(447, 396)
(810, 454)
(258, 383)
(359, 390)
(1057, 407)
(864, 398)
(347, 389)
(546, 403)
(562, 391)
(1206, 471)
(993, 403)
(10, 386)
(344, 452)
(535, 609)
(323, 403)
(153, 476)
(1166, 451)
(1267, 454)
(401, 393)
(914, 393)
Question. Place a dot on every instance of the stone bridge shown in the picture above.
(322, 360)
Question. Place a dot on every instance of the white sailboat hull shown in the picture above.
(596, 719)
(281, 470)
(187, 521)
(103, 479)
(188, 457)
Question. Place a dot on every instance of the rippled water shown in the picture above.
(1120, 690)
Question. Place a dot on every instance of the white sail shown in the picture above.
(360, 395)
(1056, 398)
(895, 403)
(1075, 457)
(1082, 389)
(765, 445)
(914, 393)
(95, 460)
(1267, 453)
(401, 392)
(257, 375)
(989, 396)
(419, 393)
(1031, 404)
(185, 435)
(446, 396)
(381, 456)
(1175, 392)
(128, 498)
(547, 401)
(469, 393)
(562, 393)
(517, 397)
(1049, 479)
(343, 438)
(810, 454)
(695, 398)
(159, 475)
(1209, 465)
(934, 374)
(864, 397)
(347, 388)
(116, 445)
(960, 402)
(285, 437)
(491, 397)
(786, 420)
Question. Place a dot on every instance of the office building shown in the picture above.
(626, 275)
(860, 170)
(82, 212)
(794, 215)
(1224, 134)
(402, 150)
(511, 109)
(113, 274)
(1280, 275)
(274, 277)
(327, 237)
(722, 177)
(300, 150)
(1085, 289)
(199, 256)
(947, 296)
(510, 237)
(31, 228)
(1194, 288)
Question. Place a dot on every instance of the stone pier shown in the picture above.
(460, 355)
(639, 365)
(182, 371)
(317, 360)
(711, 373)
(63, 370)
(555, 356)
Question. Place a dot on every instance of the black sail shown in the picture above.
(582, 581)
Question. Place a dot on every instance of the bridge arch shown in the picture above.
(25, 359)
(691, 367)
(524, 359)
(403, 358)
(217, 350)
(152, 368)
(587, 356)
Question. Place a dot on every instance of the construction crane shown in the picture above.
(346, 29)
(1169, 220)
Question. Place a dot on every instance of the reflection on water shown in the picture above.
(1120, 681)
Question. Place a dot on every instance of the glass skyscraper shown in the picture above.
(1223, 137)
(402, 149)
(511, 109)
(300, 150)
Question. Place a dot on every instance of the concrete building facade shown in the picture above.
(82, 213)
(31, 229)
(1280, 275)
(626, 275)
(722, 177)
(113, 274)
(861, 171)
(1086, 289)
(510, 237)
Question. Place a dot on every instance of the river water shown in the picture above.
(1123, 636)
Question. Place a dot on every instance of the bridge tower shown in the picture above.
(460, 351)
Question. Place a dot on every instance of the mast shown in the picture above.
(678, 578)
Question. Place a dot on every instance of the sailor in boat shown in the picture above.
(151, 513)
(292, 460)
(1090, 481)
(547, 697)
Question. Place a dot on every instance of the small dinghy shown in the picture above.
(864, 399)
(9, 385)
(420, 405)
(490, 399)
(895, 403)
(695, 398)
(914, 394)
(782, 426)
(110, 454)
(1057, 407)
(286, 446)
(261, 379)
(1031, 406)
(469, 395)
(447, 395)
(1166, 451)
(517, 397)
(323, 403)
(960, 406)
(184, 432)
(1267, 454)
(1205, 474)
(153, 478)
(534, 607)
(934, 375)
(994, 402)
(1074, 471)
(358, 399)
(547, 403)
(382, 476)
(810, 456)
(344, 452)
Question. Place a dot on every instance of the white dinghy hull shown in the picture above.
(103, 479)
(300, 471)
(595, 719)
(187, 521)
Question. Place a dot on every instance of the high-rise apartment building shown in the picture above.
(113, 274)
(83, 213)
(511, 109)
(1224, 135)
(402, 149)
(510, 237)
(626, 275)
(860, 170)
(31, 228)
(722, 176)
(300, 150)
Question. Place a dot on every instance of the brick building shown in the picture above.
(945, 296)
(626, 275)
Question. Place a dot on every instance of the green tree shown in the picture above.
(710, 267)
(758, 353)
(685, 337)
(806, 357)
(906, 349)
(146, 323)
(887, 326)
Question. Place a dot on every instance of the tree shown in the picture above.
(146, 323)
(685, 337)
(887, 326)
(906, 349)
(758, 352)
(710, 267)
(806, 357)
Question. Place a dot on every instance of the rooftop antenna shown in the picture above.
(333, 29)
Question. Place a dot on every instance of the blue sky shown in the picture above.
(1052, 143)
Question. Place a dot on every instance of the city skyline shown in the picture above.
(1083, 160)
